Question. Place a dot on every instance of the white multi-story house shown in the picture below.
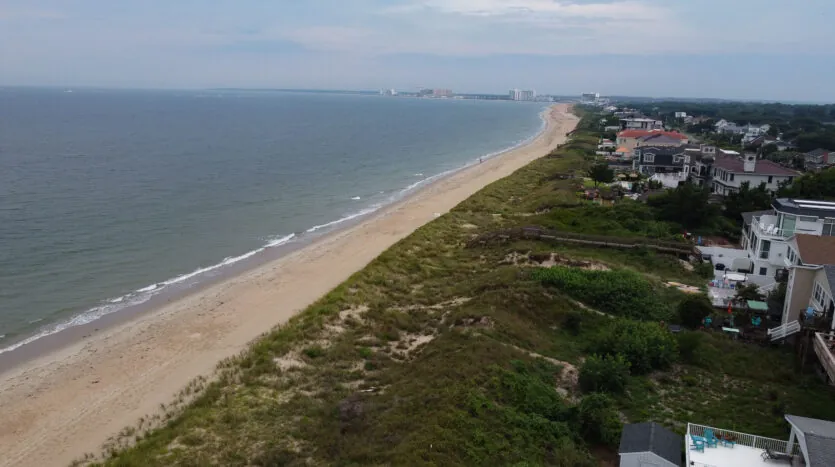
(730, 172)
(767, 236)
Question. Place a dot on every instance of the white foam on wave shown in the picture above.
(347, 218)
(138, 296)
(356, 198)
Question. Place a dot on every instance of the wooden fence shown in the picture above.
(555, 236)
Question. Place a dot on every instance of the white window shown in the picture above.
(829, 227)
(818, 292)
(649, 157)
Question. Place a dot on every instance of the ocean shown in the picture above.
(110, 197)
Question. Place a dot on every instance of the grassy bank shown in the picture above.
(445, 352)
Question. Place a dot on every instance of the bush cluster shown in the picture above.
(646, 346)
(620, 293)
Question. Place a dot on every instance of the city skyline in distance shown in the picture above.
(628, 47)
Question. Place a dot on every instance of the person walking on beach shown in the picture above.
(480, 160)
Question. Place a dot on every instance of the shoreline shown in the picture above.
(68, 401)
(112, 311)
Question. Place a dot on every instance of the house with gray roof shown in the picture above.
(650, 160)
(649, 444)
(730, 172)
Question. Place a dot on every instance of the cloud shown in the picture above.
(525, 9)
(330, 38)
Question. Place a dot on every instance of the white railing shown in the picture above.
(744, 439)
(784, 330)
(822, 342)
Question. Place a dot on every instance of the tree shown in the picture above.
(693, 309)
(687, 205)
(819, 185)
(607, 373)
(601, 173)
(748, 292)
(747, 199)
(769, 149)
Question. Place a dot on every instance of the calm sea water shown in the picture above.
(109, 197)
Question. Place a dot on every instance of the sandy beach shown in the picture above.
(68, 402)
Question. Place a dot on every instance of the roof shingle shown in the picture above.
(651, 437)
(814, 249)
(763, 166)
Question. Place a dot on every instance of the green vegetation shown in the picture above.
(693, 310)
(621, 292)
(816, 185)
(440, 353)
(601, 173)
(609, 373)
(646, 346)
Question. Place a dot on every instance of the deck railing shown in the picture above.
(744, 439)
(822, 342)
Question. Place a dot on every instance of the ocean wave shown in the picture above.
(363, 212)
(356, 198)
(138, 296)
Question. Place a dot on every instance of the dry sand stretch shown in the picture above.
(56, 408)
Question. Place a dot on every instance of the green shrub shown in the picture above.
(704, 269)
(620, 292)
(689, 345)
(607, 373)
(598, 420)
(314, 351)
(693, 309)
(647, 346)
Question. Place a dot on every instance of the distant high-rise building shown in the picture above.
(590, 97)
(442, 93)
(519, 95)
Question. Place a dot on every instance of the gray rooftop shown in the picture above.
(747, 217)
(820, 439)
(651, 437)
(805, 207)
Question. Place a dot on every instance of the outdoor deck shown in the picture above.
(823, 343)
(746, 453)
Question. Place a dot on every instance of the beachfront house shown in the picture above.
(651, 160)
(701, 163)
(641, 124)
(630, 139)
(766, 238)
(730, 172)
(649, 444)
(810, 443)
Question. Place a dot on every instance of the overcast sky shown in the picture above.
(762, 49)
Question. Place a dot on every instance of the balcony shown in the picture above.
(767, 226)
(824, 345)
(748, 450)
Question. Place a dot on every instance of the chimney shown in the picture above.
(749, 162)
